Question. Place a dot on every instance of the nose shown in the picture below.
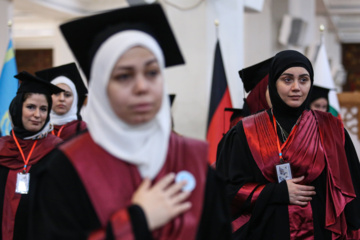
(37, 113)
(141, 85)
(295, 86)
(62, 96)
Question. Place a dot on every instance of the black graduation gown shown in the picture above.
(9, 159)
(20, 227)
(270, 218)
(61, 207)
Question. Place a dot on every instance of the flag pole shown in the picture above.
(8, 85)
(322, 31)
(9, 23)
(216, 22)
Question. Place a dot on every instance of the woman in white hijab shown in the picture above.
(129, 176)
(65, 111)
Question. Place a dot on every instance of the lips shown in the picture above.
(142, 107)
(295, 97)
(35, 122)
(60, 106)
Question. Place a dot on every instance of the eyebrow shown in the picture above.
(151, 61)
(290, 74)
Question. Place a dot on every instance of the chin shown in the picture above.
(35, 130)
(294, 104)
(60, 113)
(140, 120)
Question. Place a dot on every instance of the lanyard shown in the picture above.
(22, 153)
(59, 132)
(280, 148)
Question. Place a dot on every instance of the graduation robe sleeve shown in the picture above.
(61, 209)
(352, 210)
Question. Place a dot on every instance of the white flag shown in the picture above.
(324, 79)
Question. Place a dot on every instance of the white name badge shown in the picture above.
(22, 183)
(283, 172)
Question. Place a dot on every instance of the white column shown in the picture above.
(195, 32)
(231, 35)
(258, 35)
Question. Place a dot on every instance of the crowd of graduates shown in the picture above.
(286, 169)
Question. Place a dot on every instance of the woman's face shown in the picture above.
(136, 86)
(62, 101)
(34, 112)
(320, 104)
(293, 86)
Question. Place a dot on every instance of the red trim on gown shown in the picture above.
(70, 129)
(110, 183)
(11, 158)
(304, 150)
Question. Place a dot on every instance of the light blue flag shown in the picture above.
(8, 88)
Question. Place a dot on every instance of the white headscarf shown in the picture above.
(43, 133)
(143, 145)
(71, 114)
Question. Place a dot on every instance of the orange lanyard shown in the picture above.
(59, 132)
(280, 148)
(26, 161)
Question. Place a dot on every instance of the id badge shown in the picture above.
(283, 172)
(22, 183)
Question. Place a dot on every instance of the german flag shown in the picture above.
(219, 100)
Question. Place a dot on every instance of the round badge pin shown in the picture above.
(189, 178)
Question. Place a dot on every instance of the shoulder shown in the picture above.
(187, 141)
(52, 139)
(189, 150)
(259, 115)
(328, 124)
(76, 123)
(324, 118)
(6, 140)
(82, 125)
(77, 142)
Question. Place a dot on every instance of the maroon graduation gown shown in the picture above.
(107, 187)
(11, 163)
(69, 129)
(316, 151)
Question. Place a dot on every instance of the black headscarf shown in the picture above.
(15, 111)
(29, 84)
(284, 114)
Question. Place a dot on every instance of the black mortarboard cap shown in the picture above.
(68, 70)
(318, 92)
(252, 75)
(84, 36)
(33, 84)
(236, 112)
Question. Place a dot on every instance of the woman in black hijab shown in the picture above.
(319, 99)
(21, 152)
(285, 168)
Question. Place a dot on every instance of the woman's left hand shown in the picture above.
(299, 194)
